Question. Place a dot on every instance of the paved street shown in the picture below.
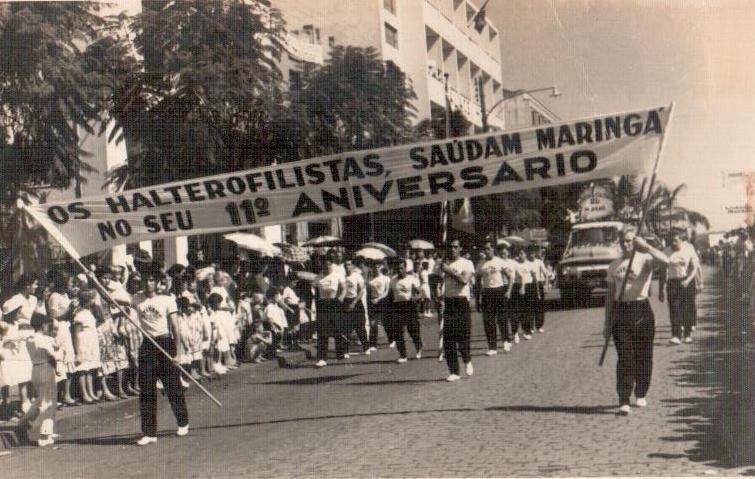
(545, 409)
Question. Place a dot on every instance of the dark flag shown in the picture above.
(479, 18)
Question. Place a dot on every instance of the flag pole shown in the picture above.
(104, 292)
(643, 215)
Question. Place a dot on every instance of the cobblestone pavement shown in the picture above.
(545, 409)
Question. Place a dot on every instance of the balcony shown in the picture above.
(458, 101)
(302, 50)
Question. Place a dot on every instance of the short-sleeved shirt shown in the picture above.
(289, 296)
(679, 263)
(327, 286)
(638, 282)
(453, 288)
(154, 312)
(402, 288)
(490, 273)
(378, 286)
(542, 271)
(509, 268)
(27, 310)
(352, 283)
(524, 272)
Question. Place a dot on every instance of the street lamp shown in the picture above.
(507, 95)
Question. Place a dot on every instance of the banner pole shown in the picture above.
(104, 292)
(643, 214)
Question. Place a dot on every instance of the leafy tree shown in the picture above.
(46, 98)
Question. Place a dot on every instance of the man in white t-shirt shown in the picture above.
(353, 304)
(677, 280)
(457, 317)
(490, 273)
(629, 317)
(156, 316)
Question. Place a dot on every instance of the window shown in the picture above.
(309, 33)
(391, 36)
(294, 80)
(390, 5)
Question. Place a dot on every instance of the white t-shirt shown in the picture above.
(509, 269)
(327, 286)
(290, 297)
(154, 312)
(352, 283)
(222, 291)
(523, 272)
(379, 285)
(638, 283)
(452, 288)
(542, 271)
(276, 316)
(490, 272)
(679, 262)
(27, 310)
(402, 288)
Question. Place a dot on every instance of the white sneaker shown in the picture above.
(368, 352)
(688, 339)
(506, 347)
(675, 340)
(45, 442)
(641, 402)
(418, 355)
(392, 345)
(625, 410)
(321, 363)
(527, 337)
(491, 352)
(184, 382)
(516, 338)
(146, 440)
(453, 377)
(220, 369)
(346, 356)
(373, 349)
(541, 330)
(159, 384)
(182, 430)
(401, 360)
(442, 357)
(469, 369)
(693, 328)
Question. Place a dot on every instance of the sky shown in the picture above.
(610, 56)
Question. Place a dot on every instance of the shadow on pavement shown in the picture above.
(611, 410)
(720, 420)
(308, 381)
(406, 382)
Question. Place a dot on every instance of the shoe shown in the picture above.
(45, 442)
(418, 355)
(441, 357)
(688, 339)
(469, 369)
(392, 345)
(182, 430)
(527, 336)
(693, 328)
(220, 369)
(624, 410)
(232, 366)
(373, 349)
(541, 330)
(506, 347)
(516, 338)
(159, 384)
(675, 340)
(368, 352)
(401, 360)
(453, 377)
(641, 402)
(346, 356)
(491, 352)
(145, 440)
(321, 363)
(184, 382)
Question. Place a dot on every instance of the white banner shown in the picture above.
(363, 181)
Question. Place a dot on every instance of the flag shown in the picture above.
(463, 219)
(479, 18)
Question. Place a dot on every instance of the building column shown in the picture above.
(176, 251)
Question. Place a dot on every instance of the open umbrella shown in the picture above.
(503, 242)
(292, 254)
(373, 254)
(384, 248)
(323, 241)
(421, 244)
(515, 240)
(255, 243)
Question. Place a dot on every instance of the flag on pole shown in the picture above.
(479, 19)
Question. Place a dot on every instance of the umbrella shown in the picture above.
(254, 243)
(292, 253)
(372, 254)
(503, 242)
(384, 248)
(323, 241)
(515, 240)
(421, 244)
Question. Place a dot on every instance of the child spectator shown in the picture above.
(220, 318)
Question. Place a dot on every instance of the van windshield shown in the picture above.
(605, 236)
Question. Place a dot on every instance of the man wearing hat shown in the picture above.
(156, 316)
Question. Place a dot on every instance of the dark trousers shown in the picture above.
(633, 333)
(153, 365)
(457, 329)
(405, 318)
(495, 312)
(524, 313)
(377, 315)
(355, 321)
(540, 307)
(680, 301)
(326, 325)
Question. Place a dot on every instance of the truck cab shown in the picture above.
(591, 248)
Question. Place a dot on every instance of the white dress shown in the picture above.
(86, 341)
(16, 365)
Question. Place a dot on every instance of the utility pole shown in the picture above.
(483, 111)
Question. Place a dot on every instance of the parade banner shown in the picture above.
(363, 181)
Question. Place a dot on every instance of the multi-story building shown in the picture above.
(521, 109)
